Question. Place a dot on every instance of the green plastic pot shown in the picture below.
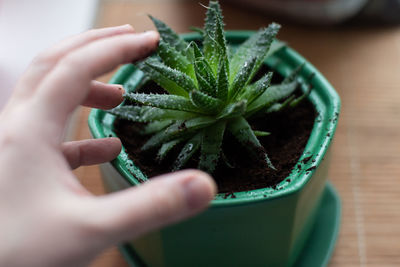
(263, 227)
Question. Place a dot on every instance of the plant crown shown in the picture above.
(210, 91)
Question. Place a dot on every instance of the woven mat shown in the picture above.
(363, 64)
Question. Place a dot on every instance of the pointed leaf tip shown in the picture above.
(214, 43)
(169, 35)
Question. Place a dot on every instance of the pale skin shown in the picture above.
(47, 218)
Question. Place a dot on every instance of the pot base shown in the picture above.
(317, 250)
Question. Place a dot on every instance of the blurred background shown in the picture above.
(354, 43)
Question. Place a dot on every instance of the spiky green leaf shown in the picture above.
(261, 133)
(204, 73)
(256, 46)
(166, 147)
(172, 102)
(196, 51)
(211, 146)
(148, 114)
(242, 131)
(242, 78)
(176, 76)
(204, 85)
(155, 126)
(301, 98)
(274, 94)
(174, 59)
(205, 77)
(190, 54)
(209, 28)
(168, 35)
(222, 81)
(205, 102)
(178, 129)
(197, 29)
(170, 86)
(294, 74)
(253, 91)
(220, 38)
(214, 44)
(187, 151)
(277, 107)
(233, 110)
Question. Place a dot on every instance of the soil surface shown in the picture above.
(289, 134)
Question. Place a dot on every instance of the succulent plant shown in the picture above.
(210, 91)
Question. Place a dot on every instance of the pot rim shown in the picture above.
(324, 98)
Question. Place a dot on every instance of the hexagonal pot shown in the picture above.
(263, 227)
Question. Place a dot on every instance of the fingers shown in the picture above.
(89, 152)
(44, 62)
(104, 96)
(163, 200)
(66, 86)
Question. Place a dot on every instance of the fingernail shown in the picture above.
(153, 35)
(120, 88)
(153, 38)
(198, 192)
(128, 26)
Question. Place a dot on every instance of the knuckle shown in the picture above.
(6, 138)
(72, 65)
(45, 57)
(89, 34)
(71, 61)
(11, 134)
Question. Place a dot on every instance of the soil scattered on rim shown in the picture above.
(289, 135)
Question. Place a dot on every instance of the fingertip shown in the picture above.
(128, 27)
(120, 88)
(104, 96)
(122, 29)
(120, 94)
(199, 189)
(114, 139)
(116, 143)
(114, 146)
(210, 180)
(161, 201)
(153, 36)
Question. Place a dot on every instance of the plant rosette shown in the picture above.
(261, 227)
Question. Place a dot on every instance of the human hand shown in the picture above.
(46, 217)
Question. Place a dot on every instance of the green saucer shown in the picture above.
(319, 247)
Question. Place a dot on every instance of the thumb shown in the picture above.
(159, 202)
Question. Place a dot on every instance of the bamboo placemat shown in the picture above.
(363, 64)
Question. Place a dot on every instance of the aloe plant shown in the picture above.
(210, 91)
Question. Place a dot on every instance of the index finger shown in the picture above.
(45, 61)
(66, 86)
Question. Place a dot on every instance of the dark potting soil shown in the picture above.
(289, 130)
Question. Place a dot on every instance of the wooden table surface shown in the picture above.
(363, 64)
